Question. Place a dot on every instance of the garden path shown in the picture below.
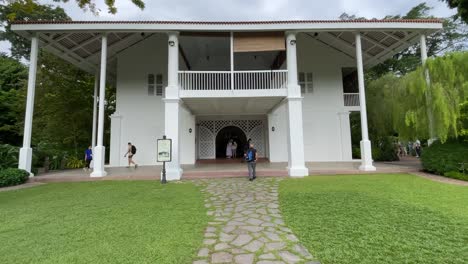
(247, 225)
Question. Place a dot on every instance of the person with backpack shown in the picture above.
(246, 147)
(130, 152)
(88, 158)
(251, 158)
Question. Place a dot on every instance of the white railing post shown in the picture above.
(100, 151)
(366, 151)
(25, 155)
(296, 157)
(232, 61)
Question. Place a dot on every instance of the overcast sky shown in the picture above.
(232, 10)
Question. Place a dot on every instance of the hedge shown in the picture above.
(446, 159)
(11, 177)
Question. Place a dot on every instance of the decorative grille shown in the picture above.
(208, 129)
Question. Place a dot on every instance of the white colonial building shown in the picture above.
(287, 85)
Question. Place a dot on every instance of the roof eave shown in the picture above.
(317, 26)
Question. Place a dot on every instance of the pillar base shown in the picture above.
(25, 160)
(173, 174)
(99, 154)
(366, 156)
(298, 172)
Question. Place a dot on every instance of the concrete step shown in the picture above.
(229, 174)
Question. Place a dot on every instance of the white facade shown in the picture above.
(139, 117)
(186, 81)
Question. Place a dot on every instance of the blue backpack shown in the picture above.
(250, 156)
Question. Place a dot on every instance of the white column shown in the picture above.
(25, 155)
(345, 133)
(232, 60)
(366, 150)
(100, 151)
(172, 107)
(430, 116)
(296, 161)
(95, 98)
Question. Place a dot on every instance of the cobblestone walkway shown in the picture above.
(248, 226)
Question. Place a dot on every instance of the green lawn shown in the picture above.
(102, 222)
(378, 218)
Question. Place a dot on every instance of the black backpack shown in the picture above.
(133, 150)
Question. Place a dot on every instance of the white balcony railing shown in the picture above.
(205, 80)
(351, 99)
(241, 80)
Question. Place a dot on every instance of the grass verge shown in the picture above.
(396, 218)
(102, 222)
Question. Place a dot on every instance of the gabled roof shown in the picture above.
(79, 42)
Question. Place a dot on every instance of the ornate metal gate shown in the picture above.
(208, 129)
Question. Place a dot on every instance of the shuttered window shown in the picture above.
(306, 82)
(259, 41)
(159, 85)
(155, 85)
(151, 84)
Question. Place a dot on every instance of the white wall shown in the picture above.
(142, 116)
(187, 139)
(321, 109)
(278, 141)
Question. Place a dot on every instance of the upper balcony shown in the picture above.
(233, 84)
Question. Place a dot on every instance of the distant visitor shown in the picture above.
(251, 158)
(88, 158)
(131, 151)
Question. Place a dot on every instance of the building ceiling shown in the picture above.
(82, 46)
(232, 106)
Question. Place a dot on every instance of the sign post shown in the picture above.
(164, 149)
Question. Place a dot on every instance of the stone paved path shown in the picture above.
(247, 226)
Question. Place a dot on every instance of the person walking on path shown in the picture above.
(131, 151)
(251, 158)
(417, 148)
(234, 149)
(88, 157)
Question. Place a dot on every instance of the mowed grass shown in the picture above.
(395, 218)
(102, 222)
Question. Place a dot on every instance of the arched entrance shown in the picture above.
(223, 137)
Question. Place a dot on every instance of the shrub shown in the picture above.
(11, 177)
(8, 156)
(75, 163)
(445, 159)
(457, 175)
(384, 150)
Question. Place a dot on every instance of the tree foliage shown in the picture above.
(461, 6)
(25, 10)
(91, 5)
(12, 78)
(62, 120)
(399, 103)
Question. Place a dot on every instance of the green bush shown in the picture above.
(384, 150)
(75, 163)
(446, 159)
(11, 177)
(8, 156)
(457, 175)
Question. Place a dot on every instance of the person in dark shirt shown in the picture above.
(251, 158)
(88, 157)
